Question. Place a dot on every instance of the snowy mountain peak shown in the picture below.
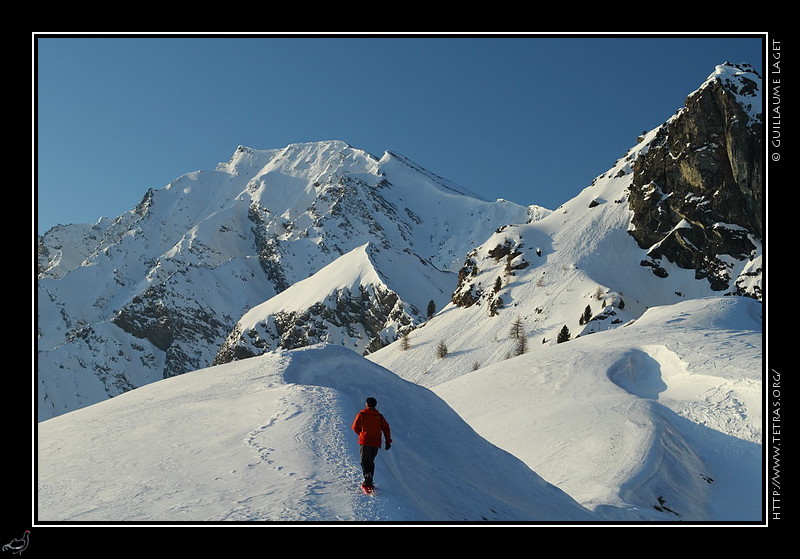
(171, 278)
(347, 303)
(744, 82)
(668, 222)
(348, 272)
(314, 163)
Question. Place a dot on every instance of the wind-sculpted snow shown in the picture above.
(657, 420)
(638, 373)
(269, 439)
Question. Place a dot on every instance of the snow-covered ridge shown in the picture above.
(268, 439)
(391, 159)
(576, 268)
(349, 272)
(312, 156)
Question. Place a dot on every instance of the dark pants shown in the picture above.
(368, 454)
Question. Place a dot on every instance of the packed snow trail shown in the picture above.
(268, 439)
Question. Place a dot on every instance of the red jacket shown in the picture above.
(368, 425)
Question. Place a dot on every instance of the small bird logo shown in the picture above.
(18, 545)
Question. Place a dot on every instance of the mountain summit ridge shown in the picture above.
(169, 279)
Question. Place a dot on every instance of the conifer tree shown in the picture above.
(431, 308)
(563, 335)
(522, 345)
(517, 329)
(587, 315)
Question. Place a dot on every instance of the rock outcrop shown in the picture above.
(698, 192)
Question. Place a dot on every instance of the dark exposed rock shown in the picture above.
(698, 193)
(373, 317)
(170, 325)
(467, 293)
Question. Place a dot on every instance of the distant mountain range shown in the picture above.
(324, 243)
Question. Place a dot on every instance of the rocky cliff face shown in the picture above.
(698, 192)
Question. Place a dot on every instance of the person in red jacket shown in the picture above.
(369, 424)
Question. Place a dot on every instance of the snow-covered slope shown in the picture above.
(657, 421)
(577, 268)
(269, 439)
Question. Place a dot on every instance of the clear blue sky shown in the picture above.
(529, 119)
